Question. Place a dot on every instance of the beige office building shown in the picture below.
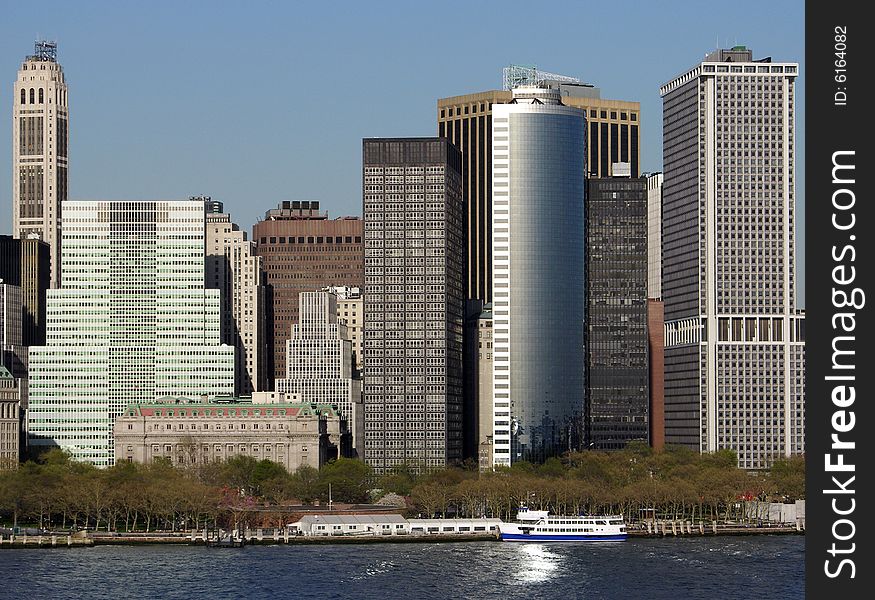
(613, 134)
(485, 408)
(40, 124)
(350, 309)
(10, 421)
(187, 431)
(233, 267)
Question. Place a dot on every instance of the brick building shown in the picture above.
(303, 250)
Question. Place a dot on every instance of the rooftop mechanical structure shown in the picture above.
(44, 50)
(519, 75)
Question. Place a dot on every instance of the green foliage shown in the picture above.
(787, 478)
(675, 483)
(636, 482)
(349, 479)
(399, 480)
(305, 484)
(553, 467)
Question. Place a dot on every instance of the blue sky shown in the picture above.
(257, 102)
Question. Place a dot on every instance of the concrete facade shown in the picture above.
(351, 310)
(654, 235)
(656, 358)
(734, 339)
(233, 268)
(303, 250)
(196, 432)
(133, 321)
(40, 126)
(320, 368)
(414, 302)
(10, 420)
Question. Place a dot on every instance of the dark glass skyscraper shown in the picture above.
(414, 302)
(616, 308)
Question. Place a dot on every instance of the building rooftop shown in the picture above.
(44, 50)
(5, 374)
(353, 519)
(185, 407)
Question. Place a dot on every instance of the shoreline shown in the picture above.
(32, 542)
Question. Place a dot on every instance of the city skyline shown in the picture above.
(219, 154)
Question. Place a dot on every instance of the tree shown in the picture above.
(787, 477)
(239, 472)
(400, 480)
(349, 480)
(265, 470)
(304, 484)
(430, 498)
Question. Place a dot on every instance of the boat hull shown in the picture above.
(540, 537)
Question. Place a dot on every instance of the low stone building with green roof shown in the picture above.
(198, 431)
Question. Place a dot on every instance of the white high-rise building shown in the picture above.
(40, 124)
(734, 339)
(233, 267)
(133, 322)
(350, 309)
(654, 235)
(538, 291)
(319, 364)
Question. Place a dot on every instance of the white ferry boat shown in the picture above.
(540, 526)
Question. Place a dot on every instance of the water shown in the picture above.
(723, 567)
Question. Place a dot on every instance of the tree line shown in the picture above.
(55, 492)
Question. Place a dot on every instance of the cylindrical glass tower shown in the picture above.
(538, 167)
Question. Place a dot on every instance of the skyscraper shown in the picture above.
(654, 235)
(132, 321)
(614, 135)
(12, 349)
(616, 312)
(303, 251)
(233, 268)
(320, 366)
(478, 411)
(538, 291)
(655, 310)
(351, 311)
(414, 302)
(40, 124)
(26, 263)
(10, 315)
(734, 339)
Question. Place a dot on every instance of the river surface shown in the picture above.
(721, 567)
